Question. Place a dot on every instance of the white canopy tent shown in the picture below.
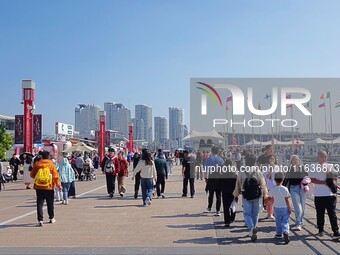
(196, 135)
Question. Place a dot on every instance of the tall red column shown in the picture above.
(130, 147)
(28, 96)
(102, 120)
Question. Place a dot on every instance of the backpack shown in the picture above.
(109, 166)
(43, 178)
(251, 187)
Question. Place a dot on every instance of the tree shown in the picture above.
(6, 141)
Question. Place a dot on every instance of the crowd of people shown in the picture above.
(264, 186)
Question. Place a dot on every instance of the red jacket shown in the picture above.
(115, 162)
(124, 167)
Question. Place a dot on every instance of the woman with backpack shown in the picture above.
(251, 184)
(67, 176)
(110, 167)
(148, 175)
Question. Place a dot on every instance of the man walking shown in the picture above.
(324, 198)
(110, 166)
(162, 173)
(45, 177)
(188, 173)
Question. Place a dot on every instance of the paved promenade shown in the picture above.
(94, 224)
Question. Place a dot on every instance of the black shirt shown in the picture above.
(189, 163)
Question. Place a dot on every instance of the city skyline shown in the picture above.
(109, 57)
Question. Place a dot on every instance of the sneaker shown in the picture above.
(111, 195)
(253, 234)
(192, 196)
(278, 236)
(162, 195)
(40, 223)
(145, 205)
(66, 202)
(183, 195)
(227, 225)
(121, 194)
(270, 217)
(336, 236)
(135, 195)
(218, 213)
(208, 209)
(148, 201)
(286, 238)
(297, 228)
(321, 234)
(52, 221)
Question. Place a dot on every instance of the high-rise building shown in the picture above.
(143, 119)
(161, 130)
(176, 121)
(118, 118)
(87, 120)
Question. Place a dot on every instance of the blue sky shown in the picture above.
(145, 52)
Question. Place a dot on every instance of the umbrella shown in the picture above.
(79, 147)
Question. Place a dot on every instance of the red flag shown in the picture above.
(322, 96)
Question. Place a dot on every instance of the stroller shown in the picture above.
(88, 173)
(6, 177)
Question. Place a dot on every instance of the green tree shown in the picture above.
(6, 141)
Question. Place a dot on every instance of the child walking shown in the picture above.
(282, 207)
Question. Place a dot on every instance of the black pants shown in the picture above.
(15, 174)
(192, 186)
(218, 199)
(228, 198)
(72, 190)
(329, 204)
(43, 195)
(80, 171)
(137, 182)
(110, 183)
(160, 184)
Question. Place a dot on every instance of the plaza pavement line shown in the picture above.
(32, 212)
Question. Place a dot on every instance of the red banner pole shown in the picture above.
(28, 89)
(101, 150)
(130, 147)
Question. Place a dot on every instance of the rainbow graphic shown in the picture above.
(210, 92)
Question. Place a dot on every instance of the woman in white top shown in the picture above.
(148, 174)
(28, 163)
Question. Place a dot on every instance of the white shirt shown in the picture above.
(146, 171)
(321, 190)
(279, 193)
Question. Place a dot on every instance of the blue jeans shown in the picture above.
(282, 220)
(251, 212)
(299, 199)
(147, 188)
(66, 187)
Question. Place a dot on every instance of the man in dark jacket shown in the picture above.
(162, 173)
(14, 163)
(110, 166)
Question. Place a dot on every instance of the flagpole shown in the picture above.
(291, 116)
(330, 112)
(252, 133)
(311, 118)
(324, 101)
